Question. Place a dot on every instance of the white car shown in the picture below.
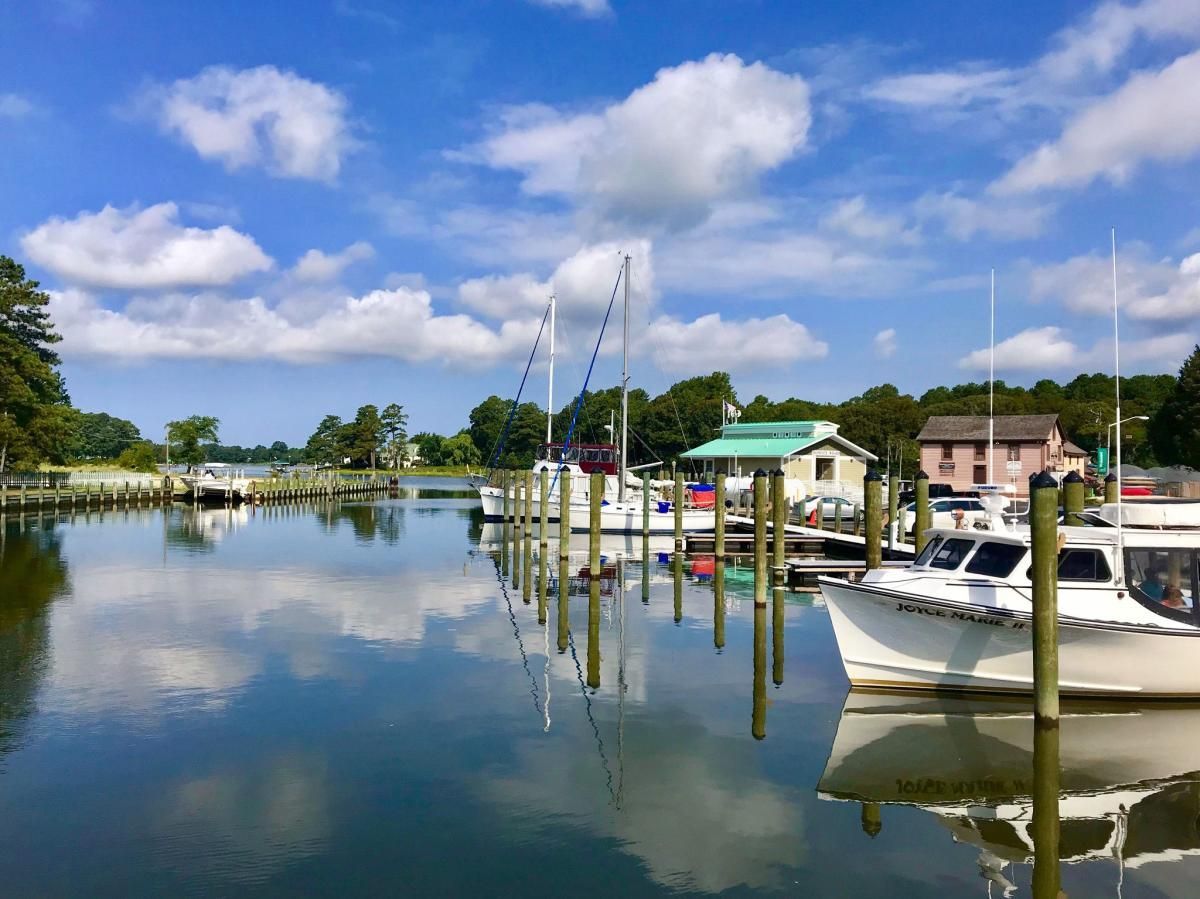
(941, 512)
(832, 508)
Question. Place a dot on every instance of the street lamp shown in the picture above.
(1121, 422)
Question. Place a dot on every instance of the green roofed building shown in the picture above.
(810, 453)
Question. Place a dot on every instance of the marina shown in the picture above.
(233, 685)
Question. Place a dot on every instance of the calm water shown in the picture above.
(356, 701)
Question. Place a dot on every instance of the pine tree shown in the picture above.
(35, 414)
(1175, 429)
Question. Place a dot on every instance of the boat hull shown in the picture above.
(891, 639)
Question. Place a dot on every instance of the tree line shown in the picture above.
(38, 423)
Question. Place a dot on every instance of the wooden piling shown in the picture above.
(1072, 487)
(564, 513)
(820, 515)
(893, 509)
(645, 506)
(719, 603)
(677, 581)
(760, 538)
(543, 510)
(778, 527)
(777, 624)
(542, 592)
(1110, 488)
(564, 602)
(1045, 829)
(719, 519)
(921, 520)
(596, 498)
(1043, 526)
(758, 714)
(646, 572)
(593, 647)
(873, 500)
(678, 507)
(527, 556)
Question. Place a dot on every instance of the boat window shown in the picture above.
(996, 559)
(930, 548)
(1166, 581)
(1083, 565)
(951, 554)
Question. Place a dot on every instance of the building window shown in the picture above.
(980, 452)
(947, 452)
(1014, 452)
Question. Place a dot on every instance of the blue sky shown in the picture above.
(269, 212)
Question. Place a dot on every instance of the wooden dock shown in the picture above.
(800, 539)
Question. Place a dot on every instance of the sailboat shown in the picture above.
(627, 513)
(577, 461)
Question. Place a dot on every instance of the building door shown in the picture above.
(824, 469)
(980, 474)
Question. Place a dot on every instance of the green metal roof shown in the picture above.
(754, 447)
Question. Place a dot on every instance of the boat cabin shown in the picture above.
(590, 457)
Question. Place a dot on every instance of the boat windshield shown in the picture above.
(944, 553)
(1166, 581)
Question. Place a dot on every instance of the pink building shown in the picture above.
(954, 450)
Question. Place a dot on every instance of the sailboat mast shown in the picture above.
(550, 390)
(624, 392)
(992, 382)
(1117, 372)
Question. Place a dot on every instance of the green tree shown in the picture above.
(35, 416)
(429, 447)
(187, 435)
(393, 422)
(360, 438)
(322, 446)
(139, 456)
(1175, 428)
(460, 450)
(99, 435)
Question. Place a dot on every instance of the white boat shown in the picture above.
(960, 617)
(216, 482)
(1129, 786)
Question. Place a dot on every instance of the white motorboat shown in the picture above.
(1129, 784)
(216, 482)
(627, 517)
(960, 617)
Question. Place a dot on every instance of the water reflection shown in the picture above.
(1128, 790)
(33, 574)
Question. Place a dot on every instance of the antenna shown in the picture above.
(1117, 370)
(991, 382)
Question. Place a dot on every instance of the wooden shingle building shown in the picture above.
(954, 450)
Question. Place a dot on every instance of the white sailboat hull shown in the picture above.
(892, 639)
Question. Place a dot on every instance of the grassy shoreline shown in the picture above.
(428, 471)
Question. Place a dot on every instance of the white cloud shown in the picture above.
(1048, 348)
(399, 324)
(294, 127)
(690, 347)
(729, 123)
(318, 266)
(1153, 116)
(963, 217)
(885, 343)
(855, 218)
(1103, 39)
(955, 89)
(583, 284)
(1030, 350)
(591, 8)
(142, 249)
(1156, 290)
(778, 263)
(14, 106)
(1080, 53)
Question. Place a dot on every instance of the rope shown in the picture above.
(583, 390)
(513, 411)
